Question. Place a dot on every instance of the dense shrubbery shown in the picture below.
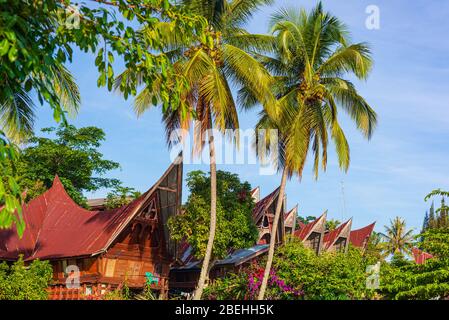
(20, 282)
(402, 279)
(300, 274)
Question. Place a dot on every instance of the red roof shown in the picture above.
(305, 230)
(358, 238)
(57, 227)
(332, 236)
(420, 256)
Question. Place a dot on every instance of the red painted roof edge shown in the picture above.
(332, 236)
(305, 232)
(358, 237)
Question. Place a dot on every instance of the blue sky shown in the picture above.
(389, 175)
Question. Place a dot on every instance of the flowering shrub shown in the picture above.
(245, 285)
(277, 287)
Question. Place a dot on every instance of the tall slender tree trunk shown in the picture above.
(213, 219)
(274, 229)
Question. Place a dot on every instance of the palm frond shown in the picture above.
(17, 116)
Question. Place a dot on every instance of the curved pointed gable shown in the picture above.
(290, 217)
(56, 227)
(420, 256)
(255, 194)
(264, 204)
(359, 238)
(342, 231)
(304, 232)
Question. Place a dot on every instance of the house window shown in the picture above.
(314, 241)
(340, 245)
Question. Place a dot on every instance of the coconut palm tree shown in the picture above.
(312, 54)
(398, 240)
(209, 70)
(17, 114)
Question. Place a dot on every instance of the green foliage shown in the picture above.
(329, 276)
(120, 196)
(20, 282)
(232, 287)
(72, 155)
(332, 224)
(402, 279)
(310, 57)
(438, 218)
(235, 227)
(122, 292)
(28, 54)
(37, 38)
(375, 248)
(397, 238)
(305, 220)
(10, 194)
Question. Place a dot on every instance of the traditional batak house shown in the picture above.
(359, 238)
(312, 234)
(290, 220)
(129, 244)
(263, 215)
(338, 239)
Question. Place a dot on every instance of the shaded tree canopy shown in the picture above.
(235, 226)
(73, 155)
(20, 282)
(408, 280)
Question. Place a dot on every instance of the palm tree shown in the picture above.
(208, 71)
(398, 239)
(17, 113)
(312, 53)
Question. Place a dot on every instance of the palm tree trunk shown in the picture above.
(274, 228)
(213, 219)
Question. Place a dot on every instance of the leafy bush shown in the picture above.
(20, 282)
(407, 280)
(298, 273)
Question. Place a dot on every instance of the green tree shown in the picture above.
(375, 247)
(332, 224)
(235, 226)
(312, 54)
(120, 196)
(305, 220)
(32, 60)
(72, 155)
(10, 193)
(20, 282)
(430, 280)
(398, 240)
(329, 276)
(438, 218)
(209, 68)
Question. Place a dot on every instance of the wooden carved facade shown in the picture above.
(263, 215)
(102, 249)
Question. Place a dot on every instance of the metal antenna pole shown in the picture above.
(343, 199)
